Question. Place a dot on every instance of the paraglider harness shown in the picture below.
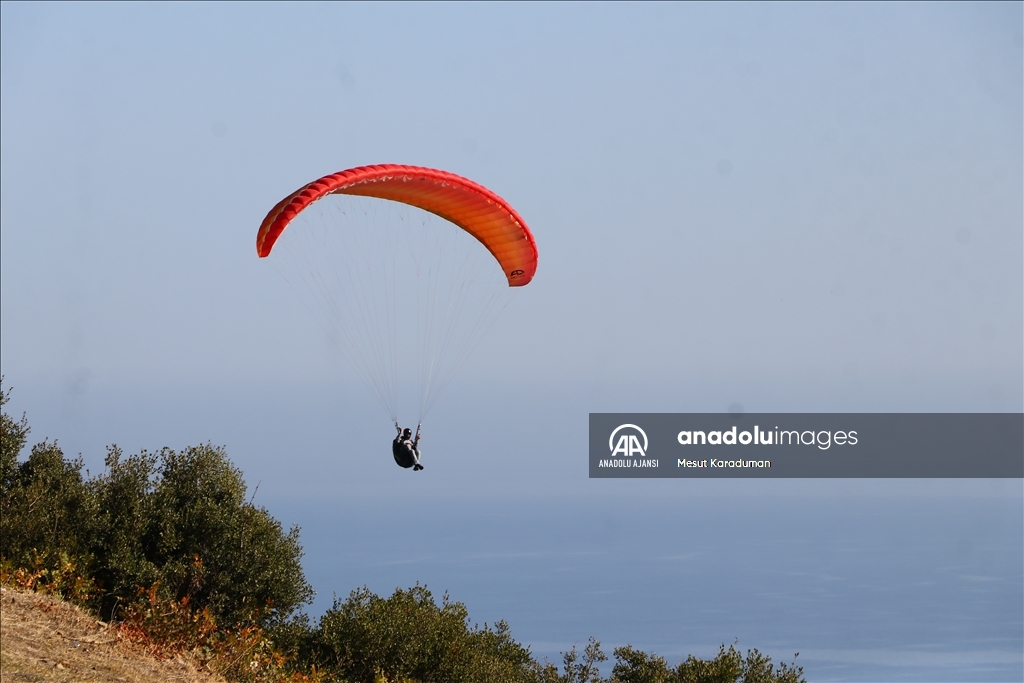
(405, 449)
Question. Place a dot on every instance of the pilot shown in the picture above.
(406, 449)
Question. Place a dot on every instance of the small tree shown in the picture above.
(636, 666)
(576, 669)
(410, 637)
(180, 519)
(728, 666)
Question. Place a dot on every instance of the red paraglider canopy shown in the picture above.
(468, 205)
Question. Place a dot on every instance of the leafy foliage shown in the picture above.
(410, 637)
(173, 527)
(728, 666)
(180, 519)
(636, 666)
(58, 576)
(46, 512)
(167, 627)
(13, 436)
(576, 669)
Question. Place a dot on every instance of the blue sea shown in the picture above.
(886, 588)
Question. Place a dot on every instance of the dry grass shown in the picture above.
(45, 639)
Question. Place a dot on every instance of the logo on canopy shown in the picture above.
(628, 442)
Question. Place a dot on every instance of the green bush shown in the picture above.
(728, 666)
(13, 436)
(410, 637)
(47, 507)
(46, 511)
(180, 519)
(636, 666)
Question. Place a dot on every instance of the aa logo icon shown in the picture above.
(628, 443)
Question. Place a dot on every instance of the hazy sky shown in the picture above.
(767, 207)
(781, 207)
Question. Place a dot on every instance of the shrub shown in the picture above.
(410, 637)
(175, 521)
(180, 520)
(728, 666)
(45, 507)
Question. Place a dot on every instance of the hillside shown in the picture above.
(43, 639)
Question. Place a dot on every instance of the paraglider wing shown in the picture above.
(468, 205)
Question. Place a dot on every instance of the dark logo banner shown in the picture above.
(927, 445)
